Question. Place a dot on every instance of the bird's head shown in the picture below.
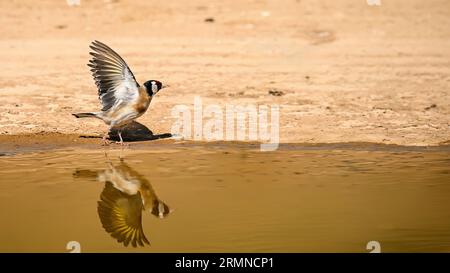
(160, 209)
(153, 86)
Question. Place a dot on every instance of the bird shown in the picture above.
(125, 195)
(123, 99)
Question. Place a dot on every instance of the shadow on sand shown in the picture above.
(133, 131)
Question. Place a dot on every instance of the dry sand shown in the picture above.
(349, 72)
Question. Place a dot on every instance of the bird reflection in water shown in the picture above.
(126, 194)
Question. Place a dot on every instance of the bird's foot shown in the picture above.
(123, 144)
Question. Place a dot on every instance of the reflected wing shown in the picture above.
(115, 82)
(151, 201)
(121, 216)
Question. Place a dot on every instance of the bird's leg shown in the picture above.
(121, 139)
(105, 141)
(120, 136)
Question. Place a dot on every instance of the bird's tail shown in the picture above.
(85, 115)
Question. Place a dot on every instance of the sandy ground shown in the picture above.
(347, 71)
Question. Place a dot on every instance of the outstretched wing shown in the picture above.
(121, 216)
(115, 82)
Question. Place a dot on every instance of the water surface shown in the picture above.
(225, 199)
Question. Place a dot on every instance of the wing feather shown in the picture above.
(115, 81)
(121, 216)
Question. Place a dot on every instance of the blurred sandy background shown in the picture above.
(346, 71)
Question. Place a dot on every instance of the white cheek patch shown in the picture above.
(154, 87)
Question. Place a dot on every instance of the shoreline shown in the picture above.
(26, 143)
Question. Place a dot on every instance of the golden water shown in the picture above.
(232, 199)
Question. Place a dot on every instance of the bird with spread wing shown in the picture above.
(122, 98)
(125, 195)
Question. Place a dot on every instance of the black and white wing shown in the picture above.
(115, 82)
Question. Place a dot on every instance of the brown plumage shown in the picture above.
(122, 98)
(143, 101)
(125, 196)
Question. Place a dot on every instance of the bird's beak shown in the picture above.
(165, 86)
